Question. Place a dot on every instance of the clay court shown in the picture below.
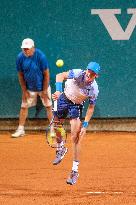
(107, 171)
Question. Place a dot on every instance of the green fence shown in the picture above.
(78, 32)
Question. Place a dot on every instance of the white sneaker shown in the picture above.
(18, 133)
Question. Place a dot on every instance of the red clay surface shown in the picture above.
(107, 170)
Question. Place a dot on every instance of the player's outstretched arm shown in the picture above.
(89, 112)
(88, 116)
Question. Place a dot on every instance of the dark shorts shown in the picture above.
(66, 108)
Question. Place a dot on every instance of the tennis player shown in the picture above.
(80, 85)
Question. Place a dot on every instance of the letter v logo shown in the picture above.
(112, 25)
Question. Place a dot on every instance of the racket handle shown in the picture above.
(55, 105)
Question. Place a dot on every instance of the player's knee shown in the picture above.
(74, 137)
(75, 140)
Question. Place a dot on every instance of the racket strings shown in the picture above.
(56, 134)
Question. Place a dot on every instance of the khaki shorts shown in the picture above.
(33, 99)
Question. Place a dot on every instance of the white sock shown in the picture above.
(21, 127)
(60, 146)
(75, 166)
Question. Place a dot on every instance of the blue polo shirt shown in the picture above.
(32, 67)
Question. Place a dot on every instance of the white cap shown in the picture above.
(27, 43)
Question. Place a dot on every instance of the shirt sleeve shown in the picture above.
(93, 98)
(74, 73)
(44, 62)
(92, 101)
(18, 64)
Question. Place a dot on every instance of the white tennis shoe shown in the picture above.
(18, 133)
(72, 179)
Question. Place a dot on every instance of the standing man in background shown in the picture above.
(33, 74)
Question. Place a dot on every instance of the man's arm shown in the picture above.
(89, 112)
(25, 93)
(46, 80)
(59, 80)
(88, 116)
(62, 76)
(22, 81)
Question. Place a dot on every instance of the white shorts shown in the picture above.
(32, 100)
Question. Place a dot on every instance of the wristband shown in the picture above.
(59, 86)
(85, 124)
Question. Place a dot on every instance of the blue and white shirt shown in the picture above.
(78, 90)
(32, 68)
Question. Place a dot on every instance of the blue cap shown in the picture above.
(94, 67)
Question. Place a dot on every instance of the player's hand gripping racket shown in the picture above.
(55, 133)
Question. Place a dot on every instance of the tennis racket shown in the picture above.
(56, 133)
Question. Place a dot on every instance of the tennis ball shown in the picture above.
(59, 63)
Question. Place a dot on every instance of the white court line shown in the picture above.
(105, 192)
(111, 192)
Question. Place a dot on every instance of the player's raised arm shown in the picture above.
(62, 76)
(59, 80)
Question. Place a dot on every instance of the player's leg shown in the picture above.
(60, 115)
(76, 140)
(75, 122)
(61, 150)
(31, 101)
